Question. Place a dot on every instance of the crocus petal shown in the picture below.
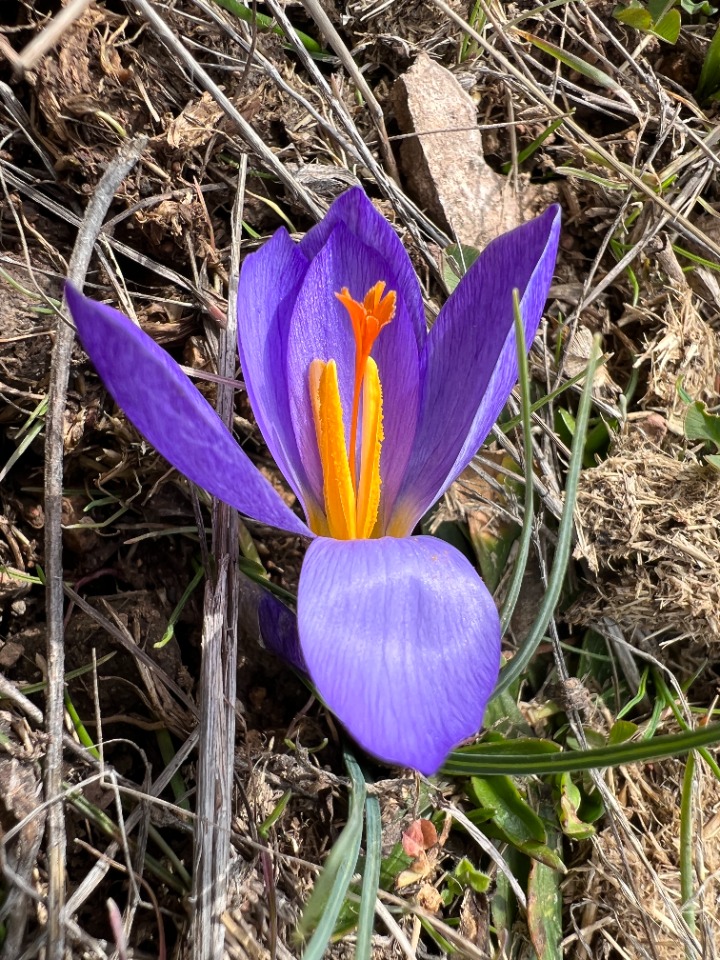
(269, 284)
(402, 640)
(320, 329)
(356, 212)
(470, 364)
(279, 631)
(172, 415)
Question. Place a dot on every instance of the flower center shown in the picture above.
(352, 495)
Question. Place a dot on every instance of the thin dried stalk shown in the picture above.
(218, 680)
(256, 144)
(54, 423)
(39, 45)
(314, 8)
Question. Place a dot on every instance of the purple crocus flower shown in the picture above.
(370, 418)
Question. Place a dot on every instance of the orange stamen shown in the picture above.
(368, 495)
(367, 318)
(338, 487)
(351, 497)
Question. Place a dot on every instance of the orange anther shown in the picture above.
(351, 497)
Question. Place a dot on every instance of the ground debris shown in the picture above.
(632, 889)
(649, 529)
(682, 349)
(22, 823)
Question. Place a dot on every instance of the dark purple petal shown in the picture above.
(356, 212)
(402, 640)
(321, 329)
(279, 631)
(269, 283)
(471, 362)
(172, 415)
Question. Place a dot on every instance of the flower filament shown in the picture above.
(352, 494)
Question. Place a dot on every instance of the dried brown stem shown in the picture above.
(216, 755)
(54, 427)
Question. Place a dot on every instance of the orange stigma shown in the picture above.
(352, 496)
(367, 318)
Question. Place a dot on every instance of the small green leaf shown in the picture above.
(511, 812)
(565, 425)
(703, 8)
(710, 74)
(544, 854)
(456, 261)
(469, 876)
(622, 730)
(668, 27)
(569, 801)
(636, 17)
(701, 425)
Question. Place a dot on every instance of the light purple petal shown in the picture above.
(402, 640)
(321, 329)
(172, 414)
(269, 283)
(356, 212)
(470, 365)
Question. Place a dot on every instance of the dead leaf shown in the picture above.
(194, 126)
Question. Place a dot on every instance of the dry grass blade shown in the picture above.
(45, 41)
(179, 49)
(321, 18)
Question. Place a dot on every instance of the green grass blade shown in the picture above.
(263, 22)
(575, 63)
(522, 658)
(177, 612)
(710, 73)
(482, 762)
(371, 879)
(528, 151)
(22, 447)
(687, 865)
(326, 900)
(518, 573)
(83, 736)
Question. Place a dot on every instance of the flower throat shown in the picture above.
(352, 491)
